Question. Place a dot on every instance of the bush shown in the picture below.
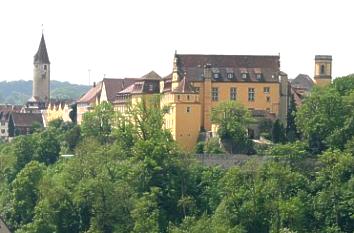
(212, 146)
(199, 148)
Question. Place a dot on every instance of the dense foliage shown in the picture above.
(128, 175)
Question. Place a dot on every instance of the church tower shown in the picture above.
(323, 70)
(41, 73)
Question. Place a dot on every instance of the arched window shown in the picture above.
(322, 71)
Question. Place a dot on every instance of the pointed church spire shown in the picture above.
(41, 57)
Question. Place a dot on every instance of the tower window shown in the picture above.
(233, 93)
(214, 94)
(251, 94)
(45, 67)
(322, 69)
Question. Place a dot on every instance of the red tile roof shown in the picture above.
(91, 95)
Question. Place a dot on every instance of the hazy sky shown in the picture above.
(131, 38)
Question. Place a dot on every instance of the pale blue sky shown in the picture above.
(131, 38)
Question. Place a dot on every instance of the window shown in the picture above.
(3, 131)
(151, 88)
(45, 67)
(197, 89)
(251, 94)
(322, 69)
(233, 93)
(259, 76)
(188, 109)
(244, 75)
(268, 99)
(178, 97)
(266, 90)
(214, 94)
(268, 109)
(187, 97)
(230, 75)
(216, 75)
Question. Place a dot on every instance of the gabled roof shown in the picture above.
(152, 75)
(90, 95)
(41, 57)
(113, 86)
(26, 119)
(184, 87)
(302, 81)
(192, 65)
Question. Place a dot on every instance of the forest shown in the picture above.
(126, 174)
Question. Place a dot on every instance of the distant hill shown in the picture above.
(18, 92)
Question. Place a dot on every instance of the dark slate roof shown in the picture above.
(152, 75)
(184, 87)
(41, 57)
(192, 65)
(26, 119)
(113, 86)
(302, 81)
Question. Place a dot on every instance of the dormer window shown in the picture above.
(258, 76)
(216, 73)
(230, 75)
(244, 75)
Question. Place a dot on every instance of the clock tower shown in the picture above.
(41, 74)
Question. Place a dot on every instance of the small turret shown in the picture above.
(323, 69)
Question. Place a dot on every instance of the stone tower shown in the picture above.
(323, 69)
(41, 74)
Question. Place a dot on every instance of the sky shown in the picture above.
(87, 40)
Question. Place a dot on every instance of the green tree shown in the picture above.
(334, 199)
(291, 130)
(98, 123)
(232, 119)
(48, 147)
(321, 114)
(278, 132)
(25, 193)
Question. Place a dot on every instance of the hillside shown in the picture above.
(18, 92)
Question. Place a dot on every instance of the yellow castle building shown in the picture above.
(200, 82)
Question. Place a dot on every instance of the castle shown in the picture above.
(200, 82)
(196, 85)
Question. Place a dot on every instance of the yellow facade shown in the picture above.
(266, 97)
(57, 111)
(183, 118)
